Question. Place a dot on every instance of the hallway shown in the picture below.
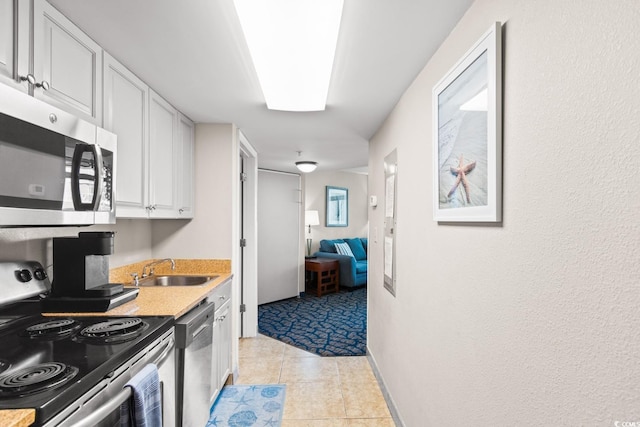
(321, 391)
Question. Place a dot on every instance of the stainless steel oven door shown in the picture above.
(100, 407)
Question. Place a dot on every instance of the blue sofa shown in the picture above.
(353, 269)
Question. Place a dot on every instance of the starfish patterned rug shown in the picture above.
(248, 405)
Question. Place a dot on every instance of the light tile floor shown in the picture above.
(321, 391)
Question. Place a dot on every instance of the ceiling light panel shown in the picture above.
(292, 44)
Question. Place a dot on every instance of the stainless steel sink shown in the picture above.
(176, 280)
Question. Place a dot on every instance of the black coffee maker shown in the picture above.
(81, 275)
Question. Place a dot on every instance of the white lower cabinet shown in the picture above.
(222, 336)
(223, 333)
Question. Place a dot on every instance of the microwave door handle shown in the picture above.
(99, 182)
(76, 164)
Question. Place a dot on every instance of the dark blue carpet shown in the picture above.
(331, 325)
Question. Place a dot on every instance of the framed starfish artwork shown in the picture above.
(467, 135)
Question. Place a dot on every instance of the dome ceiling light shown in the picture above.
(305, 166)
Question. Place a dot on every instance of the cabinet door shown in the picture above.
(185, 167)
(7, 29)
(126, 113)
(223, 317)
(215, 377)
(14, 42)
(163, 159)
(69, 61)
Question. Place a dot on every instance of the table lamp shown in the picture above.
(310, 218)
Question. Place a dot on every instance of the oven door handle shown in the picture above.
(103, 411)
(164, 352)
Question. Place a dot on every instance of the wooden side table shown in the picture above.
(327, 274)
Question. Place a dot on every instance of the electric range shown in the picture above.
(47, 363)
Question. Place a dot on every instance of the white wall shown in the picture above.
(209, 234)
(132, 242)
(535, 321)
(315, 199)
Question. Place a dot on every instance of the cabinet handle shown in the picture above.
(28, 78)
(181, 210)
(44, 85)
(32, 81)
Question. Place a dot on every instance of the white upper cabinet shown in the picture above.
(15, 52)
(6, 39)
(69, 61)
(126, 113)
(155, 148)
(185, 167)
(44, 54)
(163, 133)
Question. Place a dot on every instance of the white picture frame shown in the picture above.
(467, 135)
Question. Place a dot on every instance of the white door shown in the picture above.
(278, 235)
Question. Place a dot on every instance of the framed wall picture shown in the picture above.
(467, 138)
(337, 214)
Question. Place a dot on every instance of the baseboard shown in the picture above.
(387, 397)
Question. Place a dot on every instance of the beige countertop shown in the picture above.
(17, 417)
(160, 300)
(151, 301)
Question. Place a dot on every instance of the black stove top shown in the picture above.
(46, 363)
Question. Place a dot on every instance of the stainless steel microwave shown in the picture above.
(55, 169)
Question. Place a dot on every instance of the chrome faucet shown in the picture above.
(136, 279)
(151, 266)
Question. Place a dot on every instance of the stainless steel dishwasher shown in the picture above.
(194, 340)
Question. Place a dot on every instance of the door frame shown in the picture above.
(247, 256)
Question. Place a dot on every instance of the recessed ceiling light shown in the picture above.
(292, 44)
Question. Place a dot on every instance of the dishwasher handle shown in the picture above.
(193, 323)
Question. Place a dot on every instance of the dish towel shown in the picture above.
(144, 408)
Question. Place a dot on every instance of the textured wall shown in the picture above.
(132, 242)
(209, 234)
(534, 321)
(315, 186)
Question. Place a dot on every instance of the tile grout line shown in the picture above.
(344, 404)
